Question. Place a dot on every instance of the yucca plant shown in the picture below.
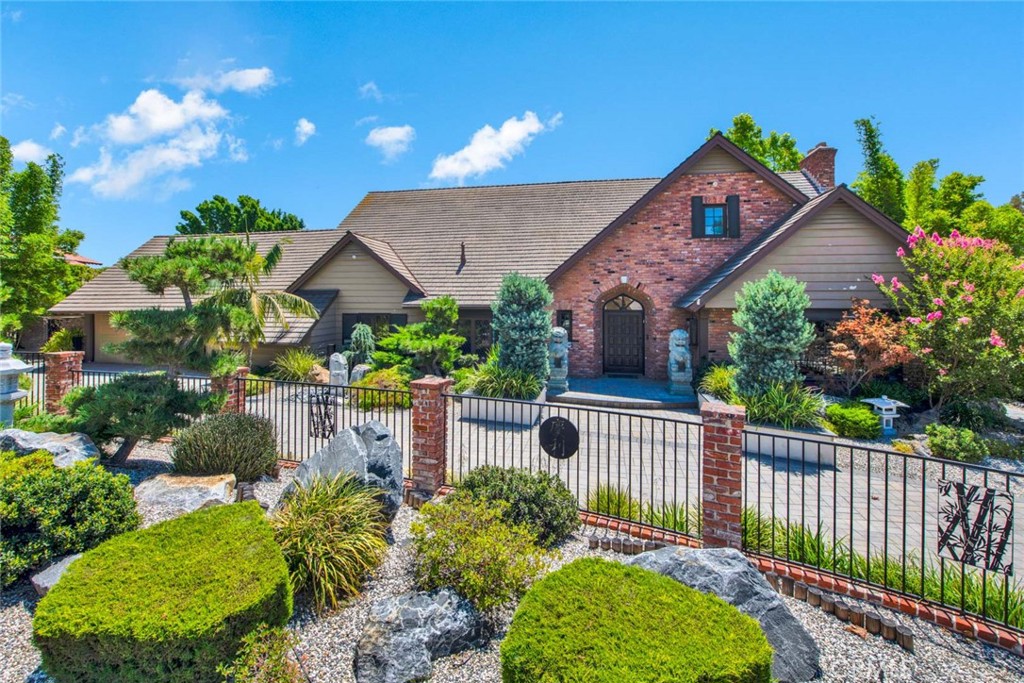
(332, 534)
(295, 365)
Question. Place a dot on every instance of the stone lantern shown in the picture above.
(10, 369)
(887, 410)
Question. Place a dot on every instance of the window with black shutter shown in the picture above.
(716, 220)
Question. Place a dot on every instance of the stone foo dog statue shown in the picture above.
(558, 360)
(680, 362)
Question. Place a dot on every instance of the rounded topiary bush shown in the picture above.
(232, 443)
(605, 622)
(538, 500)
(854, 420)
(167, 604)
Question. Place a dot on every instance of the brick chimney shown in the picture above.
(820, 163)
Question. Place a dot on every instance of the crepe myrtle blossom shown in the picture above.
(967, 298)
(900, 252)
(938, 302)
(895, 284)
(933, 316)
(968, 287)
(926, 350)
(1020, 293)
(914, 320)
(878, 279)
(964, 320)
(943, 372)
(995, 340)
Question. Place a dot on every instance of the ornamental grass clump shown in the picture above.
(295, 365)
(166, 604)
(467, 545)
(605, 622)
(332, 534)
(231, 443)
(538, 500)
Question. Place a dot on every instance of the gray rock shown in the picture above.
(406, 633)
(46, 579)
(358, 372)
(67, 449)
(369, 451)
(729, 575)
(180, 494)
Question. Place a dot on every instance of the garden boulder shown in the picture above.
(369, 451)
(172, 495)
(67, 449)
(45, 580)
(406, 633)
(358, 372)
(725, 572)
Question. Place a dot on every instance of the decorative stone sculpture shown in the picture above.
(680, 362)
(10, 369)
(558, 360)
(339, 370)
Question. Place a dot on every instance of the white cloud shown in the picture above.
(14, 15)
(370, 91)
(13, 100)
(239, 80)
(153, 114)
(30, 150)
(490, 149)
(304, 130)
(365, 120)
(236, 148)
(57, 131)
(79, 136)
(392, 141)
(130, 174)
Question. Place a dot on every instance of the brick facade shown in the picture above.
(720, 330)
(820, 163)
(660, 260)
(722, 475)
(429, 457)
(63, 371)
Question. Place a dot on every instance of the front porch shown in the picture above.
(623, 394)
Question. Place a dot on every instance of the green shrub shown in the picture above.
(167, 604)
(466, 545)
(295, 365)
(539, 501)
(395, 387)
(332, 535)
(48, 422)
(522, 324)
(720, 382)
(257, 385)
(973, 415)
(491, 380)
(25, 382)
(431, 347)
(854, 420)
(231, 443)
(955, 443)
(61, 340)
(47, 511)
(605, 622)
(263, 658)
(362, 346)
(998, 448)
(898, 391)
(785, 405)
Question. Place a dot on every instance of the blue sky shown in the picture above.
(156, 106)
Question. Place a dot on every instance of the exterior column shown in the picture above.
(722, 477)
(234, 386)
(63, 371)
(429, 433)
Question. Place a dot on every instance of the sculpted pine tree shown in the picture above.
(774, 332)
(522, 324)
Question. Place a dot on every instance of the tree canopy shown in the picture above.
(881, 183)
(33, 273)
(777, 151)
(220, 215)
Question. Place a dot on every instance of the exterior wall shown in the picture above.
(719, 161)
(835, 255)
(661, 261)
(719, 331)
(103, 334)
(326, 331)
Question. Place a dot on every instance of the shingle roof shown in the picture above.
(802, 182)
(111, 290)
(527, 228)
(276, 333)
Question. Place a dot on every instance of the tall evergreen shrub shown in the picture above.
(522, 324)
(774, 333)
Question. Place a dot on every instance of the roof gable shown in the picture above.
(717, 142)
(382, 252)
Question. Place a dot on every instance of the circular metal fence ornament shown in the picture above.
(559, 438)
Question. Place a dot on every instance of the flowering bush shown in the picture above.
(963, 304)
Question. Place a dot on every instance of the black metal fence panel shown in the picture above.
(34, 382)
(928, 528)
(641, 467)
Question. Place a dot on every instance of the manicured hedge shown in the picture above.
(854, 420)
(605, 622)
(165, 604)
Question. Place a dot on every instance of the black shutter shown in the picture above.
(732, 214)
(697, 216)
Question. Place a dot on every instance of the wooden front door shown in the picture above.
(624, 337)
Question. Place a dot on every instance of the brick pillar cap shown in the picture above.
(430, 382)
(720, 409)
(242, 371)
(63, 354)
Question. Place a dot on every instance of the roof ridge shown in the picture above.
(484, 187)
(251, 234)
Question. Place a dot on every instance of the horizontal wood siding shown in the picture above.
(325, 329)
(720, 161)
(835, 254)
(106, 334)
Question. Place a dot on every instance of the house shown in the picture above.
(628, 260)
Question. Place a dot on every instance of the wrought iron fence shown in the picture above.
(35, 384)
(935, 530)
(627, 465)
(96, 378)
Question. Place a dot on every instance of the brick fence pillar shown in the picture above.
(429, 433)
(722, 474)
(63, 371)
(234, 386)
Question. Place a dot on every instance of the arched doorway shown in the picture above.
(623, 324)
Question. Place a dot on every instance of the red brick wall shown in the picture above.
(722, 475)
(429, 432)
(662, 261)
(63, 371)
(720, 329)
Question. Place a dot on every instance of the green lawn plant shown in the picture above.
(61, 340)
(47, 512)
(617, 502)
(784, 405)
(467, 545)
(491, 380)
(720, 382)
(231, 443)
(332, 534)
(166, 604)
(606, 622)
(539, 500)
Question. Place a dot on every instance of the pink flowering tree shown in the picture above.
(963, 304)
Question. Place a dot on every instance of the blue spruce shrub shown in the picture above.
(522, 324)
